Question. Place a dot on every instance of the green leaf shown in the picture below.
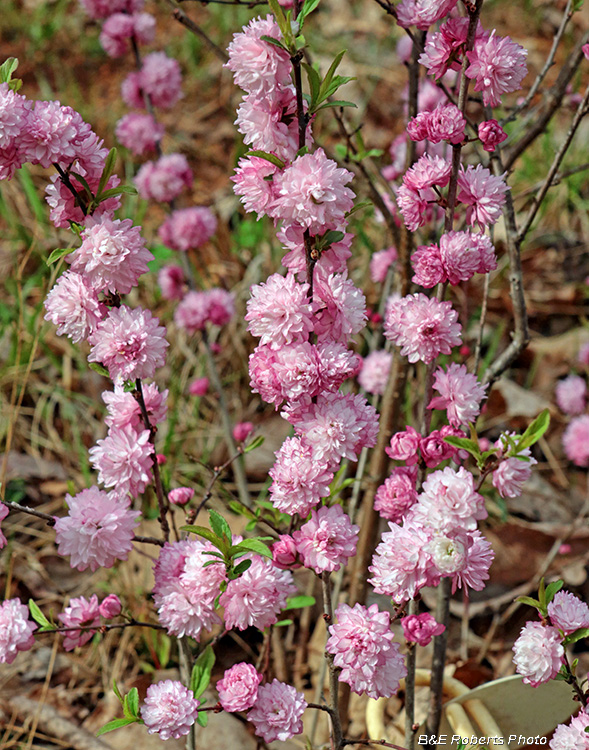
(208, 535)
(344, 103)
(465, 444)
(308, 7)
(534, 431)
(576, 636)
(254, 545)
(202, 718)
(100, 369)
(84, 184)
(117, 692)
(256, 442)
(298, 602)
(326, 240)
(219, 525)
(272, 158)
(59, 253)
(282, 623)
(552, 589)
(201, 672)
(241, 567)
(109, 166)
(359, 207)
(38, 616)
(240, 509)
(314, 83)
(7, 69)
(329, 76)
(275, 42)
(112, 192)
(131, 704)
(114, 724)
(528, 600)
(281, 20)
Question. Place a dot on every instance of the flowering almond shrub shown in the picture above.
(384, 478)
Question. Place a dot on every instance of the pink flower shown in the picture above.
(422, 13)
(180, 495)
(112, 255)
(511, 474)
(422, 327)
(444, 123)
(338, 426)
(284, 553)
(72, 305)
(242, 431)
(238, 689)
(339, 307)
(568, 613)
(491, 134)
(199, 387)
(129, 343)
(571, 393)
(16, 630)
(185, 590)
(483, 193)
(215, 306)
(188, 228)
(363, 648)
(256, 192)
(3, 513)
(572, 736)
(165, 179)
(538, 653)
(15, 112)
(97, 531)
(460, 394)
(160, 78)
(575, 440)
(279, 311)
(394, 498)
(404, 446)
(172, 282)
(478, 558)
(461, 256)
(421, 629)
(381, 262)
(120, 27)
(257, 596)
(375, 372)
(333, 258)
(449, 502)
(427, 172)
(277, 712)
(427, 266)
(498, 66)
(110, 607)
(123, 460)
(80, 613)
(327, 540)
(401, 565)
(311, 192)
(123, 408)
(259, 67)
(51, 135)
(98, 9)
(300, 479)
(139, 133)
(169, 709)
(434, 449)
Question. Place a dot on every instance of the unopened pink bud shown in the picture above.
(199, 387)
(181, 495)
(161, 459)
(564, 549)
(284, 552)
(110, 607)
(241, 431)
(421, 629)
(464, 350)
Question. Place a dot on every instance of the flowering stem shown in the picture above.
(159, 489)
(336, 723)
(104, 628)
(410, 686)
(439, 658)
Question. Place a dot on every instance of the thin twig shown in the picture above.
(217, 472)
(556, 180)
(179, 15)
(104, 628)
(336, 723)
(439, 658)
(537, 202)
(410, 662)
(567, 15)
(484, 307)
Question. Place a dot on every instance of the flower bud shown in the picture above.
(181, 495)
(110, 607)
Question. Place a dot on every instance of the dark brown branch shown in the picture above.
(179, 15)
(336, 722)
(64, 177)
(103, 628)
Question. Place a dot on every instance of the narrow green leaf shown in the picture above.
(282, 623)
(84, 184)
(113, 192)
(100, 369)
(206, 534)
(326, 240)
(58, 253)
(552, 589)
(329, 75)
(109, 166)
(308, 7)
(219, 525)
(465, 444)
(338, 103)
(528, 600)
(7, 69)
(256, 442)
(242, 567)
(38, 616)
(132, 702)
(254, 545)
(534, 431)
(358, 207)
(272, 158)
(114, 724)
(576, 636)
(201, 672)
(202, 718)
(240, 509)
(280, 18)
(298, 602)
(314, 83)
(275, 42)
(117, 692)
